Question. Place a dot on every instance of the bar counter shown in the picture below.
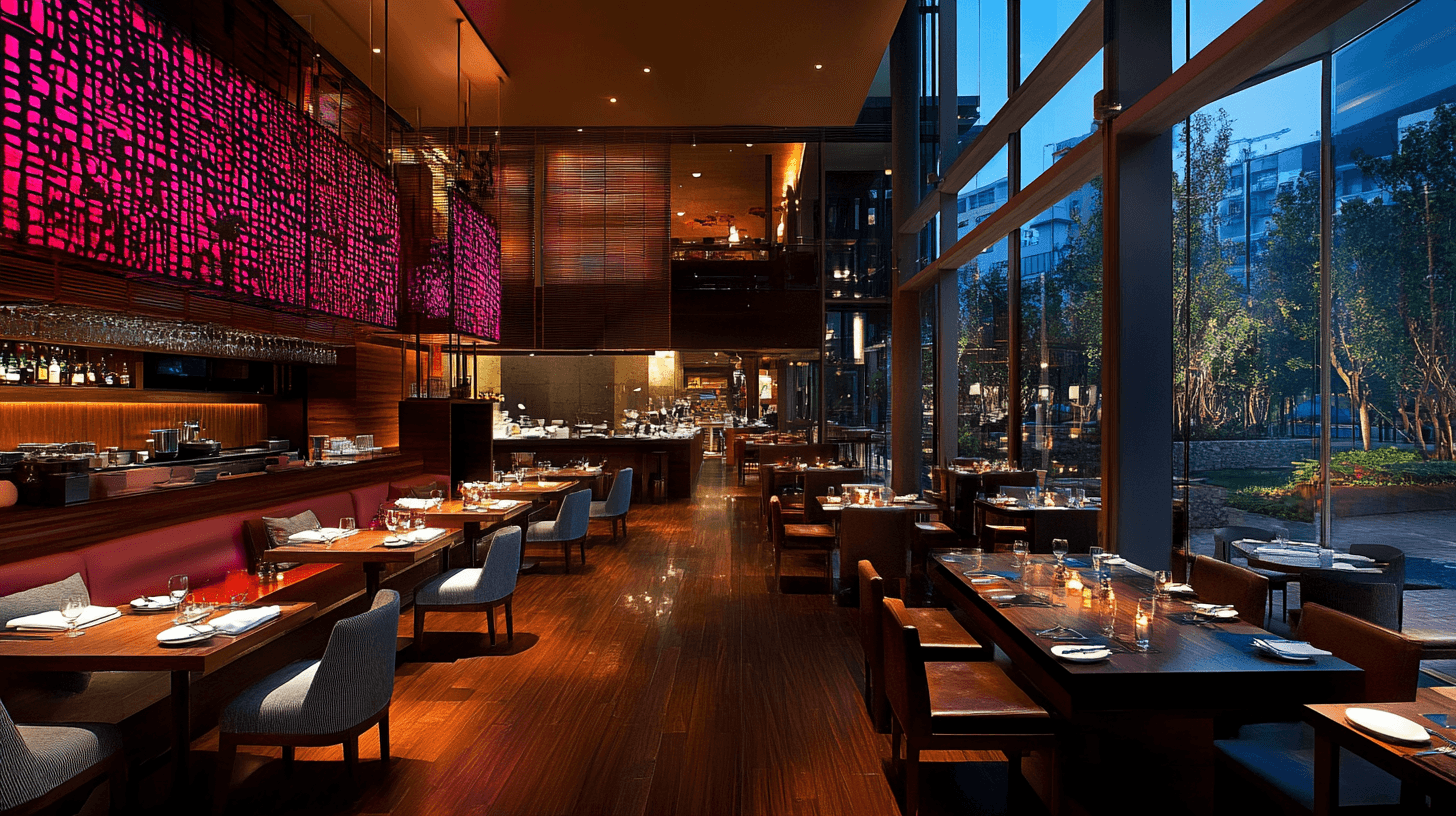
(684, 457)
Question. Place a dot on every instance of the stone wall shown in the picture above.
(1244, 453)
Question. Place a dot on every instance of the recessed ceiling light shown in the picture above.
(681, 214)
(376, 50)
(750, 144)
(578, 130)
(646, 69)
(697, 175)
(817, 66)
(613, 99)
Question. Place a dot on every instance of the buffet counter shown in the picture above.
(684, 458)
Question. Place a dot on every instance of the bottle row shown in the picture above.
(24, 363)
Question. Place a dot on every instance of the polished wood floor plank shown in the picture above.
(667, 676)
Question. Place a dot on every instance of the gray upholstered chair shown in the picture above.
(1223, 539)
(319, 702)
(41, 764)
(476, 589)
(569, 527)
(618, 502)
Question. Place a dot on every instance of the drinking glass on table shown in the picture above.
(1021, 551)
(1059, 549)
(418, 519)
(1096, 554)
(71, 610)
(177, 590)
(832, 492)
(391, 523)
(974, 559)
(348, 525)
(1161, 580)
(1281, 534)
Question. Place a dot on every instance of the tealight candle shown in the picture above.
(1074, 583)
(1143, 621)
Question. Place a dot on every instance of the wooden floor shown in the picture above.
(666, 677)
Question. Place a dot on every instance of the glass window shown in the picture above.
(983, 194)
(980, 65)
(1042, 23)
(1064, 122)
(982, 349)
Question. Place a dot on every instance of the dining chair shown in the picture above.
(798, 537)
(880, 535)
(475, 589)
(1022, 494)
(956, 706)
(1220, 583)
(1278, 758)
(43, 764)
(1393, 559)
(618, 502)
(941, 638)
(327, 701)
(817, 483)
(1353, 593)
(1223, 539)
(570, 526)
(991, 483)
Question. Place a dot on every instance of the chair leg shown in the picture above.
(118, 787)
(419, 627)
(351, 755)
(288, 760)
(510, 629)
(624, 526)
(912, 779)
(223, 774)
(490, 622)
(384, 737)
(566, 554)
(582, 546)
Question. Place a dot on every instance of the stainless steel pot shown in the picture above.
(164, 441)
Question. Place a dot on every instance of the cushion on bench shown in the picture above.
(34, 572)
(139, 564)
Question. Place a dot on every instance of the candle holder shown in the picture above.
(1143, 623)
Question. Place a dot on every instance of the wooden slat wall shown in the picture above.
(517, 218)
(360, 395)
(126, 424)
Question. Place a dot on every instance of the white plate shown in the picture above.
(152, 604)
(397, 542)
(1078, 654)
(179, 635)
(1221, 614)
(1387, 726)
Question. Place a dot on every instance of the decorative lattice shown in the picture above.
(125, 144)
(476, 250)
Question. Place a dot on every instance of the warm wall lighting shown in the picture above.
(817, 66)
(858, 338)
(681, 214)
(750, 144)
(613, 99)
(887, 171)
(578, 130)
(733, 235)
(377, 50)
(697, 175)
(646, 69)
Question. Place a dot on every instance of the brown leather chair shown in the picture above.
(798, 537)
(880, 535)
(941, 638)
(817, 483)
(1220, 583)
(999, 537)
(1392, 661)
(962, 706)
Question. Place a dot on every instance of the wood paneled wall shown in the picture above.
(126, 424)
(360, 395)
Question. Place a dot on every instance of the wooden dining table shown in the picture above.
(1433, 775)
(129, 643)
(367, 548)
(1292, 565)
(1078, 525)
(1151, 711)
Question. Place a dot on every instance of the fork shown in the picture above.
(1442, 737)
(1445, 749)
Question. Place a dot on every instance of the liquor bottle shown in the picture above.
(53, 376)
(27, 368)
(42, 371)
(91, 378)
(125, 379)
(12, 366)
(108, 377)
(78, 371)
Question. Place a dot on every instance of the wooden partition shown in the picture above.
(127, 424)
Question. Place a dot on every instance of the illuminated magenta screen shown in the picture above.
(461, 281)
(124, 143)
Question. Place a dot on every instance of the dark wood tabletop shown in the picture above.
(453, 514)
(532, 489)
(365, 546)
(915, 506)
(129, 643)
(1191, 667)
(1434, 775)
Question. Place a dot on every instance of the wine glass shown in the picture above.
(1281, 534)
(391, 523)
(177, 590)
(1096, 554)
(71, 610)
(974, 558)
(348, 525)
(1059, 549)
(1161, 580)
(418, 518)
(833, 493)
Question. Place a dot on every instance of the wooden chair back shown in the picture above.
(1391, 661)
(906, 686)
(817, 483)
(1220, 583)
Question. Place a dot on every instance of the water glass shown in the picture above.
(1021, 550)
(417, 518)
(1107, 611)
(1096, 554)
(1162, 579)
(177, 590)
(1281, 534)
(975, 559)
(1081, 497)
(348, 524)
(1147, 609)
(71, 610)
(832, 492)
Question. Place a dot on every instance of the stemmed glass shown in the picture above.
(1059, 549)
(1161, 580)
(1281, 534)
(177, 589)
(71, 610)
(391, 523)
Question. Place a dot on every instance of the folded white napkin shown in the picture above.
(54, 621)
(426, 534)
(503, 504)
(1184, 588)
(1339, 556)
(240, 621)
(320, 535)
(908, 497)
(1293, 648)
(153, 600)
(410, 503)
(1287, 552)
(1341, 565)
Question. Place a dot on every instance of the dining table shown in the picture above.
(1433, 775)
(368, 548)
(1309, 558)
(594, 478)
(129, 644)
(1043, 523)
(476, 520)
(1152, 713)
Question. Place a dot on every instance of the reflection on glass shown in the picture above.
(982, 363)
(1063, 123)
(980, 67)
(1042, 23)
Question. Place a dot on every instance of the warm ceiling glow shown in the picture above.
(613, 99)
(681, 214)
(750, 144)
(578, 130)
(376, 50)
(817, 66)
(646, 69)
(697, 175)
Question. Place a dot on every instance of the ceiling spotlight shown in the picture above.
(681, 214)
(817, 66)
(750, 144)
(578, 130)
(646, 69)
(376, 50)
(697, 175)
(613, 99)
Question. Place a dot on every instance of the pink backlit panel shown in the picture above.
(123, 143)
(476, 249)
